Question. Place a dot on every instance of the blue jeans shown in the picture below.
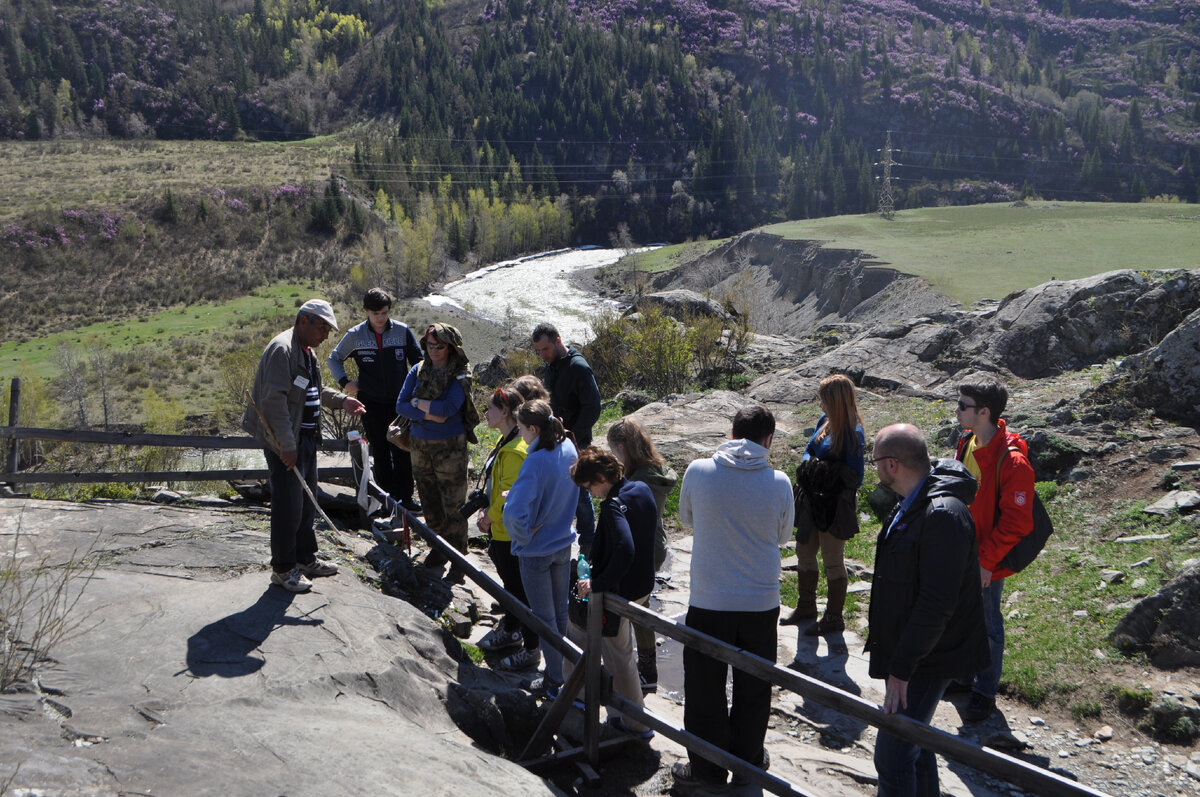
(585, 520)
(987, 681)
(546, 579)
(906, 770)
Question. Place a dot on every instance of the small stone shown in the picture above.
(1193, 769)
(1143, 538)
(1099, 654)
(1085, 742)
(1080, 613)
(1063, 754)
(1036, 721)
(1112, 576)
(1148, 560)
(1186, 466)
(165, 497)
(1105, 733)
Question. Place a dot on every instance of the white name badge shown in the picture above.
(301, 382)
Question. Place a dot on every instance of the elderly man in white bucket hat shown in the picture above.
(284, 415)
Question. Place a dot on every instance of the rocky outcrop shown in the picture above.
(1061, 326)
(1166, 625)
(1165, 378)
(682, 304)
(192, 676)
(879, 341)
(794, 286)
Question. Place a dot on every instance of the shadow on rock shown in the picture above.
(831, 669)
(226, 647)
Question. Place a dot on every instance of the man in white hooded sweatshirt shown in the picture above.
(741, 512)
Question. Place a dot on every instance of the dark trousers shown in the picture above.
(740, 725)
(585, 520)
(293, 540)
(508, 567)
(906, 770)
(391, 466)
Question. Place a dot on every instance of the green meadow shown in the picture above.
(197, 322)
(991, 250)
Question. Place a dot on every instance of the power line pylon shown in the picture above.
(887, 202)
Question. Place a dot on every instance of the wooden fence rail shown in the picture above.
(598, 690)
(205, 442)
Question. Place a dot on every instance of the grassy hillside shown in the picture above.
(991, 250)
(71, 174)
(197, 322)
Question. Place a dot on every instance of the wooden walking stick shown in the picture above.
(274, 441)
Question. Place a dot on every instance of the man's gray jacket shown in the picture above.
(280, 386)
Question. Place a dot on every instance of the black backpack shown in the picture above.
(1021, 555)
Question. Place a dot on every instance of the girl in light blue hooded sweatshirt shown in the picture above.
(538, 514)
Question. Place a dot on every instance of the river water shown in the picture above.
(521, 293)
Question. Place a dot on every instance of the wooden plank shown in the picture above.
(138, 477)
(593, 695)
(511, 605)
(14, 417)
(145, 439)
(713, 753)
(1027, 776)
(549, 724)
(572, 754)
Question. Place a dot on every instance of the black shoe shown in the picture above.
(979, 708)
(764, 765)
(958, 688)
(648, 687)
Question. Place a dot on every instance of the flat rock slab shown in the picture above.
(216, 683)
(1181, 500)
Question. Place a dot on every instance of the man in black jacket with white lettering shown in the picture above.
(383, 350)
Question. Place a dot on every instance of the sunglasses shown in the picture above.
(880, 459)
(964, 406)
(436, 346)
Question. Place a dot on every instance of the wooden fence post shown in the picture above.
(14, 417)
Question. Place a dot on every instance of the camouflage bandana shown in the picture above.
(433, 381)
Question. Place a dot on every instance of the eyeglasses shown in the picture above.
(964, 406)
(877, 460)
(434, 346)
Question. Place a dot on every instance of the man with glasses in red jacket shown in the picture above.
(1003, 513)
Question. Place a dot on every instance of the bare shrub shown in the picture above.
(38, 609)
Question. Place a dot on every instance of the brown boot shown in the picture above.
(806, 598)
(832, 622)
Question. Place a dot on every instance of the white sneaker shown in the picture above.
(318, 567)
(293, 580)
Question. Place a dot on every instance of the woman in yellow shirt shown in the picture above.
(500, 471)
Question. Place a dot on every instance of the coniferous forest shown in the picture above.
(677, 118)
